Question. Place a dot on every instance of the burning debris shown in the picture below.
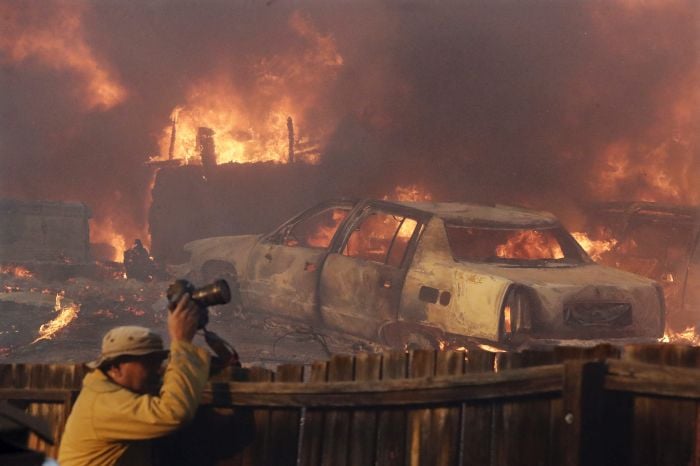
(67, 312)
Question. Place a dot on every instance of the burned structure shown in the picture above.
(192, 202)
(48, 232)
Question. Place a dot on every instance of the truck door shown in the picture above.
(283, 268)
(362, 277)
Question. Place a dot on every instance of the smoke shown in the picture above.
(538, 102)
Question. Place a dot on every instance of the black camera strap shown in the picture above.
(226, 354)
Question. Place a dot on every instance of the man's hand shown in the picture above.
(182, 322)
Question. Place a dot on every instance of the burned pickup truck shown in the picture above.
(419, 274)
(655, 240)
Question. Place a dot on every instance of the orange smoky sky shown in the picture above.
(547, 103)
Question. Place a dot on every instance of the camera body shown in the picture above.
(209, 295)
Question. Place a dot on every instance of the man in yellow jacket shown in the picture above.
(122, 406)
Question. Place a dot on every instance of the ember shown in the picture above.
(16, 270)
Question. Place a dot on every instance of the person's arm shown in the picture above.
(127, 415)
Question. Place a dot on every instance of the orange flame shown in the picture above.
(105, 232)
(322, 237)
(254, 128)
(594, 248)
(58, 41)
(530, 244)
(67, 313)
(687, 337)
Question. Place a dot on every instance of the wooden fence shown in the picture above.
(636, 405)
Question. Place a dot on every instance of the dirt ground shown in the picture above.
(107, 299)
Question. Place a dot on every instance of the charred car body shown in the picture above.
(424, 273)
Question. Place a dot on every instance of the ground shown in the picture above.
(107, 299)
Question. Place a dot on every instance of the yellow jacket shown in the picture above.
(111, 425)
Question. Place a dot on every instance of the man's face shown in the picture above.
(140, 374)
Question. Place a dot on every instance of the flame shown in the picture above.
(16, 270)
(105, 232)
(58, 41)
(376, 234)
(529, 244)
(251, 125)
(594, 248)
(507, 327)
(410, 193)
(660, 163)
(687, 336)
(322, 237)
(67, 313)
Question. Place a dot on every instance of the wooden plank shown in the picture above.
(251, 455)
(284, 423)
(582, 439)
(476, 434)
(663, 431)
(652, 379)
(39, 395)
(393, 392)
(363, 430)
(420, 447)
(663, 353)
(391, 424)
(665, 400)
(446, 422)
(509, 443)
(477, 418)
(312, 422)
(337, 422)
(480, 361)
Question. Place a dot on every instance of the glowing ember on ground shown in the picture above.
(594, 248)
(16, 270)
(66, 314)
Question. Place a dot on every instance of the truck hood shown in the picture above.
(233, 249)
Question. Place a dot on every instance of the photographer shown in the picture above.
(120, 408)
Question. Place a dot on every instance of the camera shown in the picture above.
(209, 295)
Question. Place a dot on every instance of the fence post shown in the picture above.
(581, 442)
